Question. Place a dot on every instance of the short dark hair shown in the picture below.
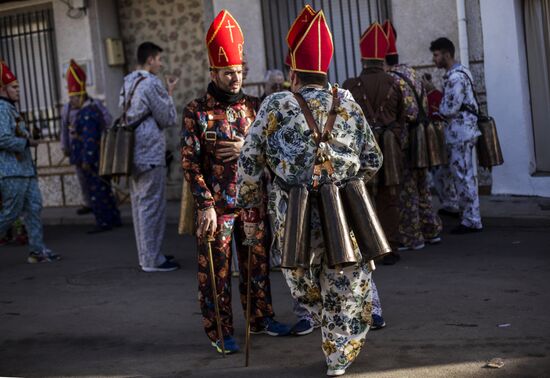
(443, 44)
(372, 63)
(146, 50)
(309, 78)
(392, 60)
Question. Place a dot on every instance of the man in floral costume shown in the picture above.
(418, 222)
(280, 139)
(457, 182)
(18, 181)
(85, 137)
(214, 128)
(67, 133)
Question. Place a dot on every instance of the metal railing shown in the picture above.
(27, 44)
(347, 20)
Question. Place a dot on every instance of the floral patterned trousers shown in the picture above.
(417, 219)
(101, 198)
(21, 196)
(341, 302)
(456, 184)
(221, 250)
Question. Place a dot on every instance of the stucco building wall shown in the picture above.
(509, 98)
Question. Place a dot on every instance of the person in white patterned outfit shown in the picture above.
(280, 138)
(456, 183)
(153, 104)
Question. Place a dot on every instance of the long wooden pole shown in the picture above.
(248, 305)
(215, 295)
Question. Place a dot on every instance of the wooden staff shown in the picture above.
(215, 293)
(248, 306)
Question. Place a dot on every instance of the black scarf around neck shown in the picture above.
(224, 97)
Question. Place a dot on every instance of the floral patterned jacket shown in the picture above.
(15, 154)
(411, 105)
(150, 97)
(86, 135)
(281, 140)
(458, 91)
(213, 182)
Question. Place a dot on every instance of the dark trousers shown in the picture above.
(229, 226)
(387, 209)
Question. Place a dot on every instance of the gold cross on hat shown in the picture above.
(230, 27)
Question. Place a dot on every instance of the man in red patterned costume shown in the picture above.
(214, 128)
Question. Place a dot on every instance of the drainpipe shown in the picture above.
(462, 33)
(465, 55)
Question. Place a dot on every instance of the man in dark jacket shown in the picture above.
(381, 99)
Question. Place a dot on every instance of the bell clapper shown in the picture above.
(372, 266)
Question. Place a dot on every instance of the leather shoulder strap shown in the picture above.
(310, 120)
(329, 125)
(128, 103)
(421, 110)
(309, 117)
(468, 108)
(374, 114)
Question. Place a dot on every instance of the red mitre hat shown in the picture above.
(6, 76)
(305, 17)
(76, 79)
(251, 215)
(225, 41)
(312, 49)
(390, 33)
(374, 43)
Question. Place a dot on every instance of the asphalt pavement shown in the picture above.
(449, 309)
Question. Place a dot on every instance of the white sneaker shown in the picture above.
(335, 372)
(45, 256)
(415, 248)
(435, 240)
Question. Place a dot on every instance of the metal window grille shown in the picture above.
(347, 20)
(27, 44)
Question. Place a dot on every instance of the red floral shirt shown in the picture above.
(206, 121)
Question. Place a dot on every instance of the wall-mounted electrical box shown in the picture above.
(115, 52)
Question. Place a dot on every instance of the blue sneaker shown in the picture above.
(229, 344)
(377, 322)
(303, 327)
(271, 327)
(167, 266)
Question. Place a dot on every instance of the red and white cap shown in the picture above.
(6, 76)
(312, 48)
(225, 41)
(374, 43)
(76, 79)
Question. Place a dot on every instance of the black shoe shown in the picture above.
(461, 230)
(97, 230)
(169, 257)
(391, 259)
(84, 210)
(452, 214)
(377, 322)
